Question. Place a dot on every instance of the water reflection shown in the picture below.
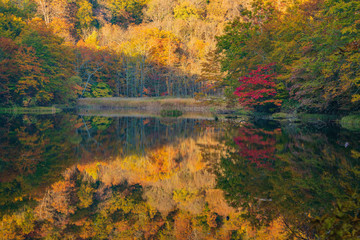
(301, 174)
(36, 150)
(152, 178)
(105, 137)
(33, 152)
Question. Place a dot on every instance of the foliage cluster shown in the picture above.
(314, 43)
(54, 51)
(141, 48)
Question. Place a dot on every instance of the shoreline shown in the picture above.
(30, 110)
(155, 105)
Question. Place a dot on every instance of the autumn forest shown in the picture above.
(179, 119)
(55, 51)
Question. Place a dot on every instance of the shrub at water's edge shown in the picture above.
(171, 113)
(351, 122)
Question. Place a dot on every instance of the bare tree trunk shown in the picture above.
(88, 79)
(142, 75)
(127, 77)
(45, 10)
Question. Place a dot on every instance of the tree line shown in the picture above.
(312, 46)
(54, 51)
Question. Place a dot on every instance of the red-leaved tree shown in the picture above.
(258, 88)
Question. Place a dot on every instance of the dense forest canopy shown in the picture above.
(54, 51)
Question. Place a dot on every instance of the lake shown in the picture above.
(132, 176)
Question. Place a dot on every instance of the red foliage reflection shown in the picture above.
(257, 145)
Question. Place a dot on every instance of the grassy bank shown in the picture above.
(31, 110)
(150, 104)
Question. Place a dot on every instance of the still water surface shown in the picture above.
(66, 176)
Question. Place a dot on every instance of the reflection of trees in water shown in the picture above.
(130, 135)
(298, 177)
(311, 173)
(145, 198)
(257, 145)
(34, 150)
(143, 202)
